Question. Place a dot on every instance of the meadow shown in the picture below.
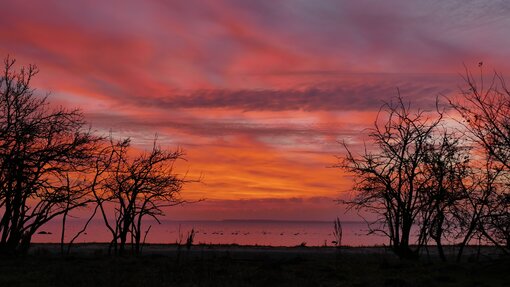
(233, 265)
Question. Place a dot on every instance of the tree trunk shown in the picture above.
(62, 235)
(440, 249)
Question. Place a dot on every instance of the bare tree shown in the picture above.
(389, 175)
(485, 111)
(42, 151)
(479, 189)
(103, 155)
(136, 187)
(446, 163)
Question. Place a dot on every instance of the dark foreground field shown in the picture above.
(247, 266)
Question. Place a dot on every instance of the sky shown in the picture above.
(257, 93)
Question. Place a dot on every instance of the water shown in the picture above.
(242, 232)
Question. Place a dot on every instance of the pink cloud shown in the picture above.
(257, 92)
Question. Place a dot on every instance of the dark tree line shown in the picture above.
(441, 178)
(52, 163)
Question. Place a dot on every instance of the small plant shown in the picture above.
(337, 232)
(190, 238)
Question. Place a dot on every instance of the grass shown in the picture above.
(246, 266)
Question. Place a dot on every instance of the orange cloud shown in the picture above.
(257, 92)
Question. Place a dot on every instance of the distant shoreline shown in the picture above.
(234, 246)
(274, 221)
(234, 220)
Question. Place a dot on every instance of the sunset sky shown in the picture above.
(258, 93)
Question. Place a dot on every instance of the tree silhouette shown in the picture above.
(389, 175)
(485, 112)
(449, 185)
(447, 165)
(44, 151)
(136, 187)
